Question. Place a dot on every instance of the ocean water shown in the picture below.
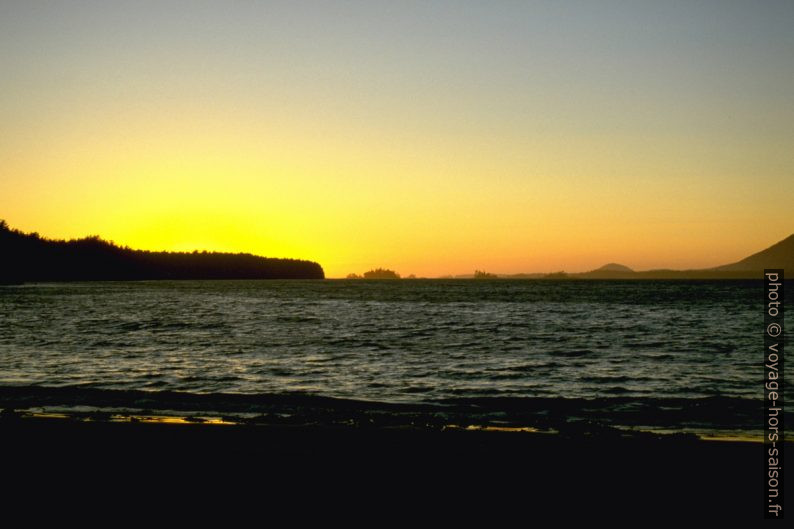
(669, 355)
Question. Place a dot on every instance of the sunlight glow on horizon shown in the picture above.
(431, 140)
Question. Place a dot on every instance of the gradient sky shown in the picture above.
(427, 137)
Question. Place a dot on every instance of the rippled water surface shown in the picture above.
(390, 341)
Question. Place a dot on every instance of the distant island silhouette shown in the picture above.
(30, 257)
(378, 273)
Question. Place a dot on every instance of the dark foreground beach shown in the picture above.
(452, 471)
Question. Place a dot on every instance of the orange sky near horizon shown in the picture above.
(536, 140)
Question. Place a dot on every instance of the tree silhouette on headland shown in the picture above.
(378, 273)
(29, 257)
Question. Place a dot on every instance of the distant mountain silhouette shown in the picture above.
(613, 267)
(608, 271)
(29, 257)
(779, 255)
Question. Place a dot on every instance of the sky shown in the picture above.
(432, 138)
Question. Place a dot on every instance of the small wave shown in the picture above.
(659, 357)
(573, 353)
(418, 389)
(617, 390)
(298, 319)
(507, 375)
(601, 379)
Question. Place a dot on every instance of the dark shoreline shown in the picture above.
(667, 475)
(605, 417)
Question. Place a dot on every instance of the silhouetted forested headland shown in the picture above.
(29, 257)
